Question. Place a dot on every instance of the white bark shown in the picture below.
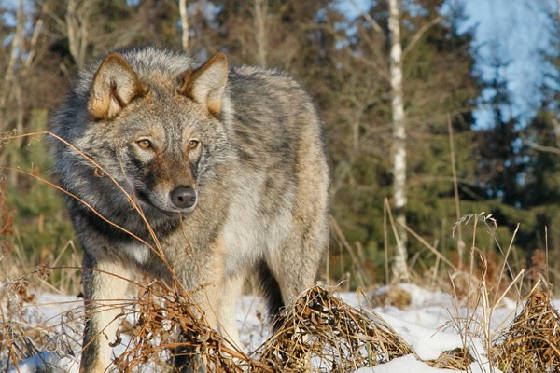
(77, 29)
(260, 30)
(399, 140)
(184, 24)
(10, 75)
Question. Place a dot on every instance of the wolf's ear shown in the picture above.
(114, 86)
(206, 84)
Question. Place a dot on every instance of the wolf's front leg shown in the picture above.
(232, 289)
(103, 297)
(207, 276)
(207, 300)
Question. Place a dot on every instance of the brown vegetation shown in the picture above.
(532, 343)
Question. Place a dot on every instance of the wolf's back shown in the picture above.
(284, 177)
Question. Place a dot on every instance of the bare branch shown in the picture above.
(460, 242)
(77, 29)
(371, 63)
(418, 35)
(544, 148)
(33, 44)
(368, 18)
(556, 126)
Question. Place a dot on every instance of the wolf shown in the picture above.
(227, 166)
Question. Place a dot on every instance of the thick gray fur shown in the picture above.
(260, 174)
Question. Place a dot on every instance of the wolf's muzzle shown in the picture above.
(183, 196)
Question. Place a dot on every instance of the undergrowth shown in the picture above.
(319, 331)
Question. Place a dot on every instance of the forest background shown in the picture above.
(423, 124)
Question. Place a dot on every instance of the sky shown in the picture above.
(516, 31)
(512, 30)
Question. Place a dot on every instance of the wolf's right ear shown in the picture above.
(114, 86)
(206, 84)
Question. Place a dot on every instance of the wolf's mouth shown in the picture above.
(145, 199)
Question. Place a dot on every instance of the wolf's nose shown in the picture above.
(183, 197)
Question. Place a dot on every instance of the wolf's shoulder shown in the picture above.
(258, 85)
(270, 75)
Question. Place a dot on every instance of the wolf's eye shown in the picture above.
(193, 143)
(144, 144)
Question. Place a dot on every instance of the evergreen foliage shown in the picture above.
(509, 169)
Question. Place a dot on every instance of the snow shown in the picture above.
(407, 363)
(430, 325)
(426, 342)
(48, 361)
(421, 297)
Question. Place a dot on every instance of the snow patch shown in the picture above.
(429, 325)
(407, 363)
(46, 361)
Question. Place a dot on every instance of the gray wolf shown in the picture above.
(227, 165)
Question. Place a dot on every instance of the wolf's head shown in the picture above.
(159, 128)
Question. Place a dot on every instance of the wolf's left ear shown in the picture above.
(206, 84)
(114, 86)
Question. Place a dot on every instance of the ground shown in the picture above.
(432, 323)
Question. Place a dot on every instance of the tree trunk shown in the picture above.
(260, 32)
(458, 228)
(184, 24)
(77, 29)
(399, 141)
(10, 76)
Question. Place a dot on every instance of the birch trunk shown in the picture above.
(260, 31)
(399, 141)
(184, 24)
(10, 77)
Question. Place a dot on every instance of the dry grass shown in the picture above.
(334, 336)
(169, 325)
(458, 359)
(532, 343)
(320, 332)
(24, 333)
(393, 296)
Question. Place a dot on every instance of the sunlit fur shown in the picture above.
(259, 170)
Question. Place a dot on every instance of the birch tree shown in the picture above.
(10, 74)
(260, 32)
(399, 139)
(184, 24)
